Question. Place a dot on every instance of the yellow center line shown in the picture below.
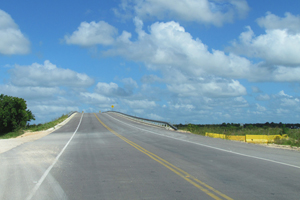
(194, 181)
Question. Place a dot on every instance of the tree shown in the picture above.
(13, 113)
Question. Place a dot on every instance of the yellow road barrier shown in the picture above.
(248, 138)
(236, 137)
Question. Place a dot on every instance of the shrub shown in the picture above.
(13, 113)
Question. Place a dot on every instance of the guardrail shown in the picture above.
(149, 121)
(71, 113)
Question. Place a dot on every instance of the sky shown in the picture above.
(180, 61)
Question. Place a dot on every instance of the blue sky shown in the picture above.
(182, 61)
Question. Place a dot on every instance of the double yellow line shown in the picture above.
(215, 194)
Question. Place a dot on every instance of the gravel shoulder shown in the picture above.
(28, 136)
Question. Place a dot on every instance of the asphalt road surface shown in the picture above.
(106, 156)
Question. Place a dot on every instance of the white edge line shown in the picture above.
(39, 183)
(241, 154)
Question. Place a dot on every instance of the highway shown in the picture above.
(106, 156)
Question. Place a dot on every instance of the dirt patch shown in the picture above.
(8, 144)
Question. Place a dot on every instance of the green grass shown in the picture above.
(293, 134)
(13, 134)
(34, 127)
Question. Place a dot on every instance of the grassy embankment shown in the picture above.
(293, 134)
(34, 127)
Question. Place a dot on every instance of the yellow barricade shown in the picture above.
(236, 137)
(215, 135)
(248, 138)
(257, 138)
(262, 138)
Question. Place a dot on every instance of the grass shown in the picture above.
(13, 134)
(293, 134)
(34, 127)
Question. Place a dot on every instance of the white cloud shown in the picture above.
(110, 89)
(96, 99)
(140, 104)
(151, 79)
(168, 44)
(289, 22)
(113, 89)
(282, 111)
(211, 88)
(48, 75)
(53, 109)
(89, 34)
(290, 102)
(12, 40)
(278, 48)
(281, 93)
(30, 93)
(187, 65)
(184, 107)
(203, 11)
(260, 108)
(275, 47)
(129, 83)
(255, 89)
(263, 97)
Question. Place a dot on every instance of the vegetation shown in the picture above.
(291, 130)
(14, 114)
(47, 125)
(34, 127)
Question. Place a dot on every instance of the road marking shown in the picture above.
(39, 183)
(215, 194)
(216, 148)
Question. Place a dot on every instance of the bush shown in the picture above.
(13, 113)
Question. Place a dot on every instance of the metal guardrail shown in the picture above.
(155, 122)
(71, 113)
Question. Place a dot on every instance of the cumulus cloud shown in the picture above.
(185, 107)
(203, 11)
(282, 93)
(187, 65)
(278, 49)
(89, 34)
(290, 22)
(168, 46)
(260, 108)
(140, 104)
(294, 102)
(113, 89)
(276, 46)
(255, 89)
(48, 75)
(110, 89)
(263, 97)
(151, 79)
(96, 99)
(210, 88)
(31, 92)
(12, 40)
(129, 83)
